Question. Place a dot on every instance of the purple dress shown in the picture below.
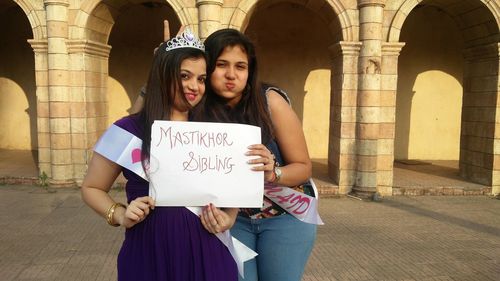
(171, 243)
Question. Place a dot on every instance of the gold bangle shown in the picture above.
(111, 211)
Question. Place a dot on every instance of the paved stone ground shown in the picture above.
(54, 236)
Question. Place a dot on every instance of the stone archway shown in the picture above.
(33, 12)
(117, 53)
(477, 25)
(310, 67)
(132, 52)
(19, 141)
(102, 13)
(241, 16)
(492, 8)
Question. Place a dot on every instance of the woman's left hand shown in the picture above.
(216, 220)
(266, 159)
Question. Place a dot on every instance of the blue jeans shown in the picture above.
(283, 243)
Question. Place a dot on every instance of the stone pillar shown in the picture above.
(209, 16)
(59, 106)
(480, 131)
(387, 118)
(342, 138)
(42, 104)
(368, 100)
(88, 99)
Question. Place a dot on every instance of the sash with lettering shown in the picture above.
(124, 148)
(300, 205)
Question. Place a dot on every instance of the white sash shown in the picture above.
(122, 147)
(298, 204)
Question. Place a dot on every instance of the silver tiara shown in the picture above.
(185, 40)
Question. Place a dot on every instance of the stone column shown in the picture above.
(368, 113)
(387, 118)
(42, 104)
(342, 139)
(209, 16)
(89, 105)
(58, 79)
(480, 132)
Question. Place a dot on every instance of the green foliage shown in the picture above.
(43, 180)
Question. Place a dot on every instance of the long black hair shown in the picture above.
(252, 108)
(163, 83)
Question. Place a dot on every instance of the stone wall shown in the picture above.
(338, 59)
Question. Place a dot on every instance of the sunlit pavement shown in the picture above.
(47, 235)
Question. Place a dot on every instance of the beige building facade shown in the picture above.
(372, 80)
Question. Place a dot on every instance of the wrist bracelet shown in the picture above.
(274, 177)
(277, 174)
(111, 211)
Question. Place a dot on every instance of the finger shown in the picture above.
(148, 201)
(146, 211)
(166, 31)
(137, 211)
(181, 30)
(265, 168)
(206, 224)
(261, 152)
(266, 164)
(144, 199)
(257, 146)
(217, 214)
(132, 216)
(206, 218)
(261, 160)
(211, 216)
(258, 150)
(140, 205)
(215, 225)
(151, 202)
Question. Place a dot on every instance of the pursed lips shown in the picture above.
(190, 96)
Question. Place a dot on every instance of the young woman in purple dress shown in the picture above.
(163, 243)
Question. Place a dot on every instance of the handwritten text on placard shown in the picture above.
(196, 163)
(199, 139)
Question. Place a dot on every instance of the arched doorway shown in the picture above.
(115, 40)
(442, 111)
(132, 51)
(295, 56)
(18, 103)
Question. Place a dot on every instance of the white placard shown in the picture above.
(196, 163)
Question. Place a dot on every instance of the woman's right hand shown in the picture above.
(263, 162)
(137, 211)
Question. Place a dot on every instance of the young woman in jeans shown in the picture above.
(283, 243)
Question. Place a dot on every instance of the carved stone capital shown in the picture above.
(209, 2)
(88, 47)
(39, 46)
(56, 2)
(392, 48)
(373, 3)
(345, 48)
